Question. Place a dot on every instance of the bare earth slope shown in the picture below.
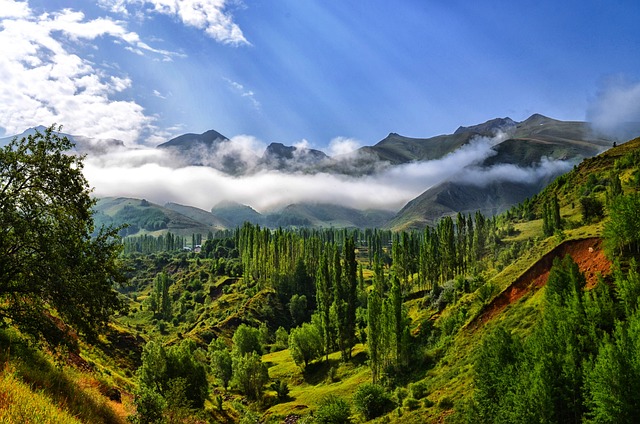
(587, 253)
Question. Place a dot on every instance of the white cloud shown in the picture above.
(147, 173)
(42, 80)
(343, 146)
(14, 9)
(481, 177)
(240, 89)
(615, 107)
(211, 16)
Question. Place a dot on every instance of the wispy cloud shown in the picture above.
(211, 16)
(158, 94)
(242, 91)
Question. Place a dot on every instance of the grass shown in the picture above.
(309, 387)
(20, 404)
(33, 386)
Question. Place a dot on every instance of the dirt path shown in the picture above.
(587, 253)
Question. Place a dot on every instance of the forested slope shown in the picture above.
(475, 319)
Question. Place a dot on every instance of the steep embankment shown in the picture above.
(587, 253)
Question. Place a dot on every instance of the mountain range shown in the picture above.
(504, 163)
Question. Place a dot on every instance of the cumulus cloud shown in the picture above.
(14, 9)
(615, 110)
(43, 80)
(211, 16)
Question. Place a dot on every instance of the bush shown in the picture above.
(282, 339)
(445, 403)
(418, 389)
(411, 403)
(281, 388)
(333, 410)
(149, 406)
(371, 400)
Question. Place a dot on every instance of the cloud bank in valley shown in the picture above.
(153, 174)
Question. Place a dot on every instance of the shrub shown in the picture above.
(333, 410)
(282, 339)
(418, 389)
(281, 388)
(371, 400)
(411, 403)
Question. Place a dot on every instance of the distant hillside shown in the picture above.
(199, 215)
(143, 217)
(449, 198)
(327, 215)
(531, 143)
(576, 137)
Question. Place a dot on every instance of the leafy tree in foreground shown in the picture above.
(49, 261)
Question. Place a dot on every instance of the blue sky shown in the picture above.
(312, 72)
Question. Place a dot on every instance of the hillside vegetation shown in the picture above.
(528, 316)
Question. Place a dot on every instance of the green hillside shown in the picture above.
(475, 319)
(143, 217)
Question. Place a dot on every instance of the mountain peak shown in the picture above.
(489, 128)
(207, 138)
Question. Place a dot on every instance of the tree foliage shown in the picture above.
(50, 264)
(162, 367)
(305, 344)
(246, 340)
(333, 410)
(622, 231)
(580, 363)
(250, 374)
(371, 400)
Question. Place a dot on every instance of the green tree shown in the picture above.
(282, 339)
(622, 231)
(162, 297)
(324, 298)
(51, 263)
(298, 309)
(160, 367)
(246, 340)
(628, 287)
(333, 410)
(612, 384)
(592, 209)
(495, 368)
(371, 400)
(149, 406)
(222, 366)
(374, 333)
(250, 374)
(305, 344)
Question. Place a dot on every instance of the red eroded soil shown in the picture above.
(587, 253)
